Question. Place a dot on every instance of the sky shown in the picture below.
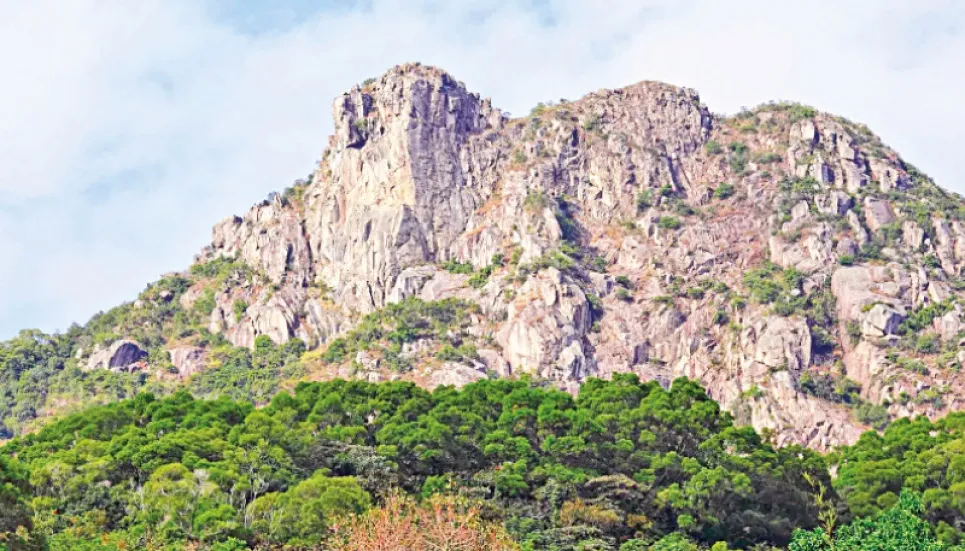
(129, 127)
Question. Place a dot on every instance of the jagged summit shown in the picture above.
(785, 258)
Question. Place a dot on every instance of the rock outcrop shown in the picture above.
(121, 355)
(188, 360)
(628, 231)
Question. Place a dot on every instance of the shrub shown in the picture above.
(846, 260)
(915, 366)
(922, 317)
(753, 393)
(847, 390)
(479, 279)
(695, 293)
(854, 331)
(668, 223)
(873, 415)
(762, 286)
(592, 123)
(713, 148)
(205, 304)
(515, 255)
(723, 191)
(240, 306)
(450, 353)
(817, 384)
(597, 264)
(578, 512)
(536, 201)
(456, 267)
(623, 294)
(927, 343)
(441, 522)
(222, 269)
(553, 259)
(768, 158)
(798, 112)
(624, 281)
(596, 305)
(402, 322)
(644, 200)
(538, 110)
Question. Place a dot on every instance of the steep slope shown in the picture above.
(785, 258)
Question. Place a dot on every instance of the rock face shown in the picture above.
(628, 231)
(122, 355)
(188, 360)
(397, 194)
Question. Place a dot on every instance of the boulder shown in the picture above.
(860, 234)
(494, 362)
(950, 325)
(834, 203)
(454, 374)
(122, 355)
(881, 320)
(783, 343)
(912, 235)
(847, 246)
(188, 360)
(878, 213)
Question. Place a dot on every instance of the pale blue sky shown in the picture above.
(128, 128)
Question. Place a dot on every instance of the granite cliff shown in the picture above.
(788, 260)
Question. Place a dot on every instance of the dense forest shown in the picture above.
(499, 464)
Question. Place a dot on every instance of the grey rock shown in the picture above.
(834, 203)
(877, 213)
(188, 360)
(121, 355)
(881, 320)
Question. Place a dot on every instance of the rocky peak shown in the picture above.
(785, 258)
(392, 191)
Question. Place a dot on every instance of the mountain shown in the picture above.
(786, 259)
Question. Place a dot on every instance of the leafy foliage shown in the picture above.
(916, 455)
(900, 528)
(399, 323)
(623, 460)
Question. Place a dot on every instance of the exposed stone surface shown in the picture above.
(188, 360)
(877, 213)
(121, 355)
(455, 374)
(612, 245)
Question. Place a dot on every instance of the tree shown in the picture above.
(15, 522)
(900, 528)
(301, 516)
(175, 499)
(442, 522)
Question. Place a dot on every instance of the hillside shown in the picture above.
(495, 466)
(784, 258)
